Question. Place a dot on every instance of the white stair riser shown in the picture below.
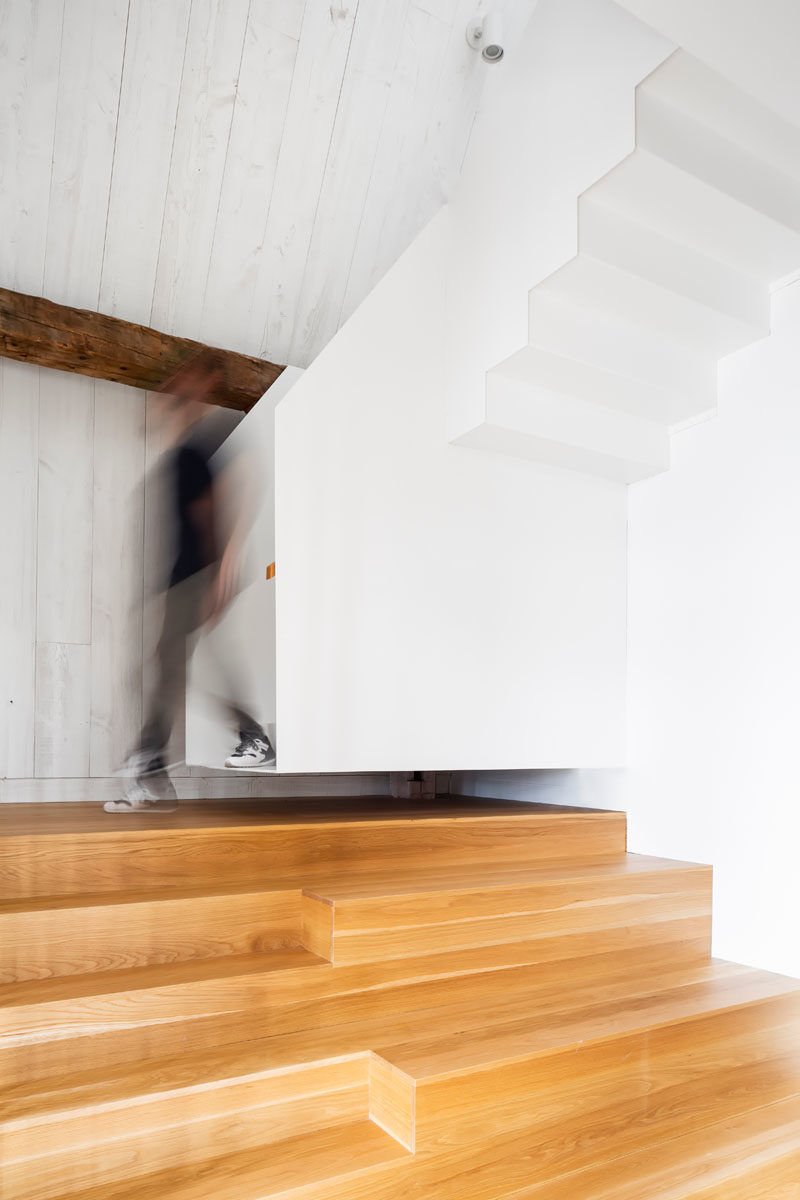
(566, 431)
(599, 339)
(677, 248)
(641, 251)
(631, 394)
(688, 86)
(653, 191)
(724, 165)
(596, 285)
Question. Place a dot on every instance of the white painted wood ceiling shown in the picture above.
(238, 171)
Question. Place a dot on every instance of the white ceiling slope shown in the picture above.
(239, 171)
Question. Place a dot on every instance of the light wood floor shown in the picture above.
(369, 1001)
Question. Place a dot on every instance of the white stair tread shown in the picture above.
(649, 399)
(635, 246)
(598, 285)
(686, 84)
(599, 338)
(656, 192)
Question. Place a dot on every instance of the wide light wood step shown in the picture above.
(753, 1156)
(459, 1048)
(481, 1004)
(361, 920)
(43, 1150)
(171, 1110)
(351, 1025)
(522, 1058)
(346, 1157)
(78, 935)
(100, 1069)
(49, 1026)
(44, 855)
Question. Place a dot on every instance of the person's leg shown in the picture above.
(236, 696)
(151, 789)
(181, 618)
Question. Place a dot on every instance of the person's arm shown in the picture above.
(236, 494)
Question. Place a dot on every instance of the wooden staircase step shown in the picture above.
(107, 854)
(408, 1011)
(298, 1167)
(457, 1045)
(44, 1150)
(160, 1114)
(352, 922)
(633, 1151)
(96, 934)
(48, 1027)
(752, 1156)
(750, 1054)
(424, 878)
(581, 1020)
(381, 1009)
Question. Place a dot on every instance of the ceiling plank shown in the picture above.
(61, 338)
(151, 78)
(30, 46)
(319, 71)
(90, 72)
(259, 113)
(214, 47)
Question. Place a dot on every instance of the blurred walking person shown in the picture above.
(209, 508)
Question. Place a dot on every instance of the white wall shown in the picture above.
(556, 115)
(437, 608)
(440, 608)
(714, 645)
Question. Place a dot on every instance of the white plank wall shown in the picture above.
(64, 536)
(63, 702)
(117, 575)
(72, 454)
(19, 457)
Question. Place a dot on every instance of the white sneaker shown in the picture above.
(156, 794)
(252, 752)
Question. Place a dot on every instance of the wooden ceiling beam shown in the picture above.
(61, 338)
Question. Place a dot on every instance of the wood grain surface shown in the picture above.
(476, 1001)
(84, 342)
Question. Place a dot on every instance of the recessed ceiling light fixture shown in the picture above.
(486, 35)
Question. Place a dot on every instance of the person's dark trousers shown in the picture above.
(184, 613)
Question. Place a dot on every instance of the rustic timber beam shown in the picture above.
(53, 335)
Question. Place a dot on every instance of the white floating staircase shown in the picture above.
(678, 247)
